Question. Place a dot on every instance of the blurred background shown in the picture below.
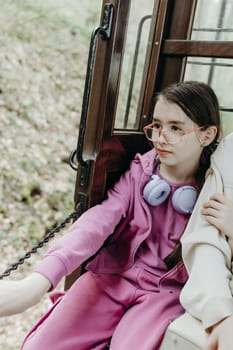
(43, 58)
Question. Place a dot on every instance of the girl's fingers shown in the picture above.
(219, 197)
(214, 204)
(211, 211)
(213, 221)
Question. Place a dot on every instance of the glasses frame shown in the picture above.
(161, 132)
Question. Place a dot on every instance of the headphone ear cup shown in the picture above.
(184, 199)
(156, 191)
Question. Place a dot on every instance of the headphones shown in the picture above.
(157, 190)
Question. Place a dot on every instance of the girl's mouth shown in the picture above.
(163, 152)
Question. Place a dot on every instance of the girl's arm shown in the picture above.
(81, 241)
(17, 296)
(84, 237)
(218, 211)
(88, 234)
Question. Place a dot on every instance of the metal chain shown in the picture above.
(74, 215)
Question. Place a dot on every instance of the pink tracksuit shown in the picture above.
(128, 296)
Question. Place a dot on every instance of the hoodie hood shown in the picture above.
(148, 161)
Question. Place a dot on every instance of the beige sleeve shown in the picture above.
(207, 256)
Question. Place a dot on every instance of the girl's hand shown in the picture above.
(218, 211)
(221, 337)
(17, 296)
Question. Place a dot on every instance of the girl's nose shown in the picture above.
(162, 137)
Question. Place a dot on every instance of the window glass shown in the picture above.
(213, 20)
(218, 73)
(133, 63)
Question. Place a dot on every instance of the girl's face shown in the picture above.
(179, 159)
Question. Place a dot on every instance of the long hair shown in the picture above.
(200, 103)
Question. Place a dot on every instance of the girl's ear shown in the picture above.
(208, 135)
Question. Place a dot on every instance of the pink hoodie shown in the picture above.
(111, 231)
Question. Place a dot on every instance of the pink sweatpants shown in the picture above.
(129, 311)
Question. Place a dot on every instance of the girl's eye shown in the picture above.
(156, 126)
(175, 128)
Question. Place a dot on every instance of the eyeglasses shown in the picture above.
(153, 132)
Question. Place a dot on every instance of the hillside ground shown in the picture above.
(44, 49)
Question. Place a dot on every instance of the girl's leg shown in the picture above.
(84, 318)
(144, 324)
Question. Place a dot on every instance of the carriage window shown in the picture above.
(133, 63)
(217, 25)
(218, 73)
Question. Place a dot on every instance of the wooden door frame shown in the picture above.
(167, 54)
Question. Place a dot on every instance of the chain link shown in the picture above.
(74, 215)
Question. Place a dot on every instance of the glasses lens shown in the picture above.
(171, 137)
(151, 134)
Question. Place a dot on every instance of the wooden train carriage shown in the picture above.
(139, 48)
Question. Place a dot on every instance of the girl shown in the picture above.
(129, 294)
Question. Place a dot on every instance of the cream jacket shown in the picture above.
(207, 256)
